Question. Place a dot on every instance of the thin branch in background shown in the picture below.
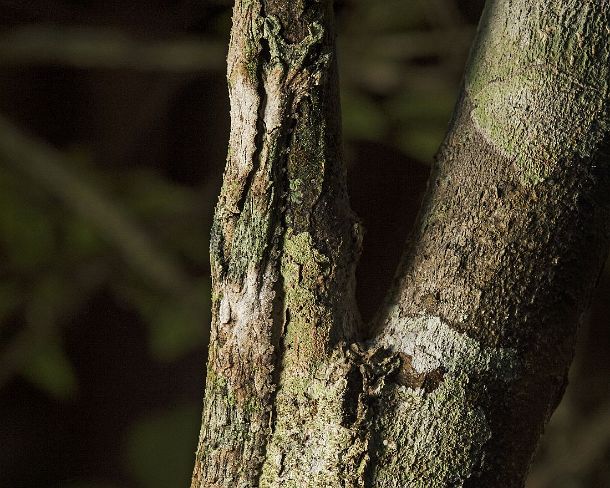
(48, 167)
(83, 47)
(57, 9)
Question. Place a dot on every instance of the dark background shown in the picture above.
(113, 132)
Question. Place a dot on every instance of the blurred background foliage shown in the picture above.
(113, 132)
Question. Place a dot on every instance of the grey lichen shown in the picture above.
(434, 436)
(312, 446)
(433, 344)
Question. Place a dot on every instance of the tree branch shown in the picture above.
(284, 245)
(510, 241)
(477, 334)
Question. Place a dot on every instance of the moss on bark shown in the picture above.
(472, 349)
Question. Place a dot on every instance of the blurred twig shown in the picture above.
(47, 166)
(83, 47)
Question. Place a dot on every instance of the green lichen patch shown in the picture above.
(429, 439)
(311, 444)
(539, 118)
(300, 249)
(296, 191)
(539, 85)
(304, 270)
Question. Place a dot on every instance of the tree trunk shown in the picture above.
(469, 354)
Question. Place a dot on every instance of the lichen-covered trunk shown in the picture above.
(284, 246)
(468, 357)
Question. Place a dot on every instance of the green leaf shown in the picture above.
(174, 212)
(49, 369)
(26, 230)
(160, 448)
(82, 239)
(177, 328)
(176, 325)
(47, 365)
(421, 142)
(362, 118)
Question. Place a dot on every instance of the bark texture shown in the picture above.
(471, 350)
(284, 247)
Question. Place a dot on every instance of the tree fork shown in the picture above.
(471, 349)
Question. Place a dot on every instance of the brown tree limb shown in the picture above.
(510, 242)
(474, 341)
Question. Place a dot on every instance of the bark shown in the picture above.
(472, 347)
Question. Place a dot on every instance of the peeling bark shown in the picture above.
(471, 350)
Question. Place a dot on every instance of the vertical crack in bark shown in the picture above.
(260, 127)
(282, 143)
